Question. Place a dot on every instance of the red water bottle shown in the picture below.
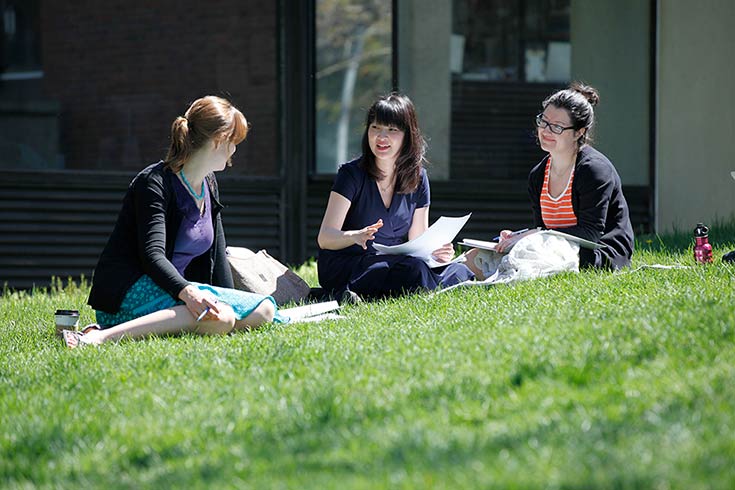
(702, 248)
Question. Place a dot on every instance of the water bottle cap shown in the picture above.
(701, 230)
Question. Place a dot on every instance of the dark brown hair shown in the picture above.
(210, 118)
(578, 100)
(398, 111)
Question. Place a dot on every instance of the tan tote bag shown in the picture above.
(260, 273)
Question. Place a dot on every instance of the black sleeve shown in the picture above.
(593, 186)
(535, 183)
(151, 203)
(222, 274)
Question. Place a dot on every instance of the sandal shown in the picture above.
(74, 339)
(90, 327)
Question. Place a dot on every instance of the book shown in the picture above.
(518, 235)
(469, 242)
(581, 241)
(514, 237)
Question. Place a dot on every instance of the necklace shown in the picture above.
(391, 184)
(188, 186)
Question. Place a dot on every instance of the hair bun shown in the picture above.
(589, 93)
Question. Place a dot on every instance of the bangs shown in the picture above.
(238, 129)
(389, 113)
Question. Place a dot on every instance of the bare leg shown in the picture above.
(170, 321)
(261, 315)
(470, 263)
(178, 320)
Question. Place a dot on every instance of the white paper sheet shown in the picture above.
(510, 242)
(469, 242)
(443, 231)
(581, 241)
(299, 313)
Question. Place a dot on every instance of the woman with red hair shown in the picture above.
(164, 269)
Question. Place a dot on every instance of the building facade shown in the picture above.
(88, 91)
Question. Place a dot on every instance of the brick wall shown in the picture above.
(124, 69)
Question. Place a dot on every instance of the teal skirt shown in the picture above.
(145, 297)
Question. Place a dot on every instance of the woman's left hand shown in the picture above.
(444, 254)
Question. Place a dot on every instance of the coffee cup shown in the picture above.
(66, 320)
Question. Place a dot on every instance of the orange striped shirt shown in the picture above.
(557, 212)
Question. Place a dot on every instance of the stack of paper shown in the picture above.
(443, 231)
(313, 312)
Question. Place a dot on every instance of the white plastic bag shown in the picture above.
(537, 255)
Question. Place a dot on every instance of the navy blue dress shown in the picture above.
(364, 271)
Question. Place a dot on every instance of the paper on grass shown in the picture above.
(299, 313)
(443, 231)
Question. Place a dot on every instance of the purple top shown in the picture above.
(364, 270)
(366, 206)
(196, 233)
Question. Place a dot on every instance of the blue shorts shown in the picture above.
(145, 297)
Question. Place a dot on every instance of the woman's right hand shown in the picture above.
(197, 301)
(503, 242)
(332, 236)
(361, 237)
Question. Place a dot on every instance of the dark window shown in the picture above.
(506, 57)
(353, 66)
(478, 71)
(29, 126)
(523, 41)
(20, 45)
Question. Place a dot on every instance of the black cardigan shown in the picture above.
(599, 205)
(142, 242)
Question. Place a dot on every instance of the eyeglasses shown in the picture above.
(542, 123)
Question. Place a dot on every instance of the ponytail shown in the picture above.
(207, 119)
(181, 144)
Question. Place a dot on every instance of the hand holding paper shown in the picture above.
(510, 238)
(444, 254)
(441, 233)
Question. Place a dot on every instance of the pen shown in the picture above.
(497, 238)
(202, 314)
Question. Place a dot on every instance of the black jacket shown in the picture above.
(142, 242)
(601, 210)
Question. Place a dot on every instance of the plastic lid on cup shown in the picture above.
(67, 312)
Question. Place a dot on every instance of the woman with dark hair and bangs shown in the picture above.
(383, 195)
(164, 269)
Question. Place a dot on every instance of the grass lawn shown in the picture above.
(590, 380)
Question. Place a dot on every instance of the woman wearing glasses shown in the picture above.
(575, 188)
